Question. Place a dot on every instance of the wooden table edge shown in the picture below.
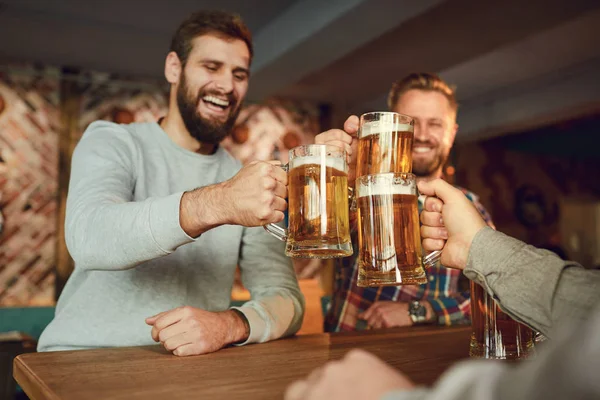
(37, 389)
(25, 378)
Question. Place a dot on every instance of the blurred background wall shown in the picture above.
(29, 131)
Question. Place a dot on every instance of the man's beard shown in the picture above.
(202, 129)
(428, 168)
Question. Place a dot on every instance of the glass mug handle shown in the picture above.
(275, 230)
(432, 258)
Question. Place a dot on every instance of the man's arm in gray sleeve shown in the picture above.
(533, 286)
(567, 370)
(104, 228)
(277, 306)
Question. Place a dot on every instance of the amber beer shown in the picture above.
(385, 141)
(388, 231)
(318, 208)
(317, 204)
(495, 334)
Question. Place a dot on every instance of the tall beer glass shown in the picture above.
(389, 238)
(385, 141)
(495, 334)
(318, 222)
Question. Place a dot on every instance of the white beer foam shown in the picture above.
(385, 187)
(332, 162)
(373, 128)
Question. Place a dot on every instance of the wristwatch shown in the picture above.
(417, 312)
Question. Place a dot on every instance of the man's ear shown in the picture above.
(173, 68)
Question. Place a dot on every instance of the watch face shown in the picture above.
(417, 309)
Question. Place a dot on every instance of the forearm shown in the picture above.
(533, 286)
(203, 209)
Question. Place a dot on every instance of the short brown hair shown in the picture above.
(421, 81)
(201, 23)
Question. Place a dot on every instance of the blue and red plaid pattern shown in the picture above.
(447, 290)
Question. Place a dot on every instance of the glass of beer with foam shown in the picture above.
(389, 237)
(318, 221)
(385, 141)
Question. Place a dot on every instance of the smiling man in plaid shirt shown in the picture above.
(444, 299)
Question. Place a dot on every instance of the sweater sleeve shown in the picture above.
(104, 228)
(533, 286)
(277, 306)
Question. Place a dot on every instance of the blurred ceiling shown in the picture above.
(517, 64)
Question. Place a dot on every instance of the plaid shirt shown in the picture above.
(447, 290)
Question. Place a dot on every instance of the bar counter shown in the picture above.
(258, 371)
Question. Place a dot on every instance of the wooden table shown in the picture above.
(260, 371)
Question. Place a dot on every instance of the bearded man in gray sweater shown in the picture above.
(159, 216)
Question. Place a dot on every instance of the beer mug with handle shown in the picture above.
(385, 142)
(318, 220)
(389, 236)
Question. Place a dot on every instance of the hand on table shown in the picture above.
(187, 331)
(359, 375)
(387, 314)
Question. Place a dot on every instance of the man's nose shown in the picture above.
(224, 82)
(420, 132)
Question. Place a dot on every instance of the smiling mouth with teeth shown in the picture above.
(221, 103)
(422, 149)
